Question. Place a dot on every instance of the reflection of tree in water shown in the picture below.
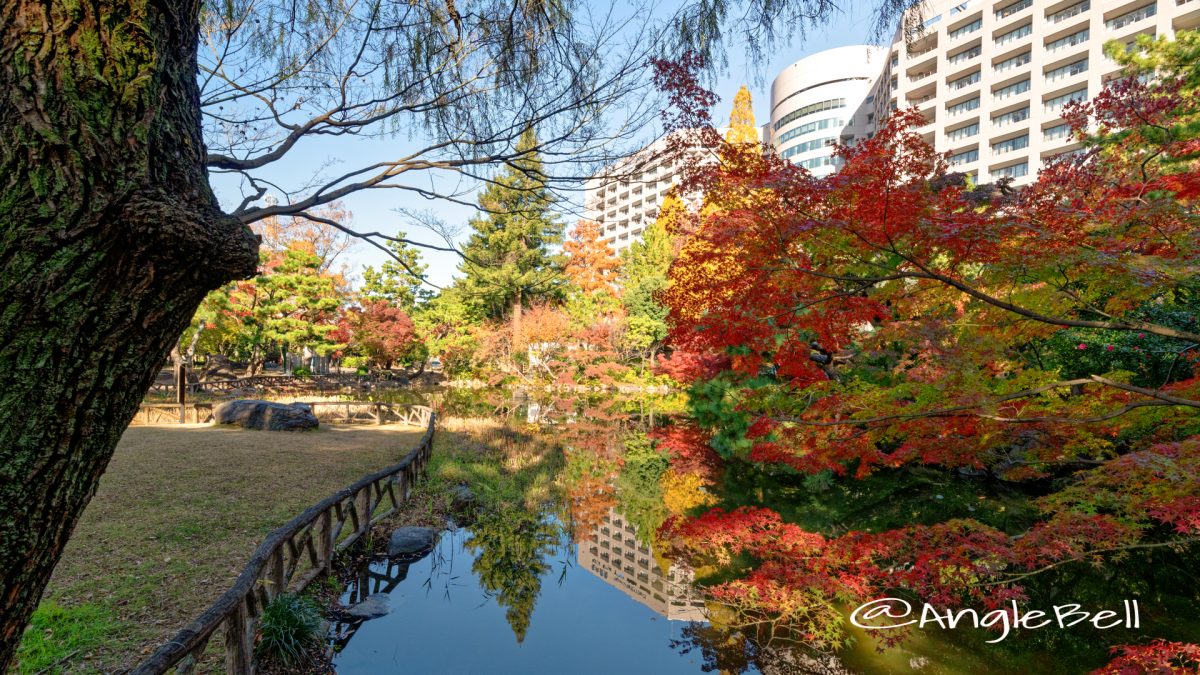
(723, 650)
(512, 547)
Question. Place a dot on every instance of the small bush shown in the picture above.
(302, 372)
(290, 625)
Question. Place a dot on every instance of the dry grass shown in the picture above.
(179, 511)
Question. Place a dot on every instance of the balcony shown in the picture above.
(964, 82)
(1054, 105)
(1068, 41)
(1057, 132)
(1011, 145)
(1014, 62)
(1070, 12)
(1117, 23)
(1011, 90)
(921, 75)
(965, 30)
(1014, 171)
(965, 106)
(963, 57)
(965, 132)
(1069, 70)
(964, 157)
(1014, 35)
(1019, 6)
(1013, 117)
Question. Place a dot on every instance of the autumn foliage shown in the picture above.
(897, 314)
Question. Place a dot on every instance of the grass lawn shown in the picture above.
(177, 514)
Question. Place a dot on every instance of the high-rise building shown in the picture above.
(823, 99)
(625, 197)
(992, 76)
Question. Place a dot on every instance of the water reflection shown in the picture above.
(613, 552)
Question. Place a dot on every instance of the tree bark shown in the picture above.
(109, 239)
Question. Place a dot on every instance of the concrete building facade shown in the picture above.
(823, 99)
(992, 76)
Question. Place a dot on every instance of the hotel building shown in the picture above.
(823, 99)
(992, 76)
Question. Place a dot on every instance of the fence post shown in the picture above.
(237, 650)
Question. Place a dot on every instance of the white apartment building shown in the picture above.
(625, 198)
(824, 99)
(992, 76)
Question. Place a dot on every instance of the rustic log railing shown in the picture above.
(333, 382)
(343, 412)
(289, 558)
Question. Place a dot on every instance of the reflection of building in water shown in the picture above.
(614, 554)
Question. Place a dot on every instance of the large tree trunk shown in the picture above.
(110, 239)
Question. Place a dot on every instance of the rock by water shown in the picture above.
(412, 543)
(371, 607)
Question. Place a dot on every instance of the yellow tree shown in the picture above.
(698, 258)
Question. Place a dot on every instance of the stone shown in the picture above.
(411, 543)
(462, 500)
(370, 607)
(266, 415)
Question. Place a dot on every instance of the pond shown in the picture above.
(583, 580)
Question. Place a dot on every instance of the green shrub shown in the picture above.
(302, 372)
(290, 625)
(356, 362)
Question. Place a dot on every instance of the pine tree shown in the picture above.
(397, 282)
(508, 262)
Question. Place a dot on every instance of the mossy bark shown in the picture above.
(109, 239)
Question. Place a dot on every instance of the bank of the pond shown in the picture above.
(177, 514)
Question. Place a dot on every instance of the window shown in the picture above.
(1013, 9)
(1014, 35)
(1014, 171)
(969, 104)
(965, 132)
(967, 29)
(1010, 145)
(1014, 62)
(808, 146)
(1057, 132)
(1068, 70)
(967, 55)
(1013, 117)
(817, 162)
(809, 128)
(964, 157)
(1072, 11)
(930, 22)
(810, 109)
(1132, 17)
(959, 8)
(1012, 90)
(1068, 41)
(1055, 104)
(964, 82)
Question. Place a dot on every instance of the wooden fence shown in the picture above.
(335, 382)
(343, 412)
(289, 558)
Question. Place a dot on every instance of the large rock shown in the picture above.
(371, 607)
(255, 414)
(412, 543)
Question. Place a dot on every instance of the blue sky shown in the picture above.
(376, 210)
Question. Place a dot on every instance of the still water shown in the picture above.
(584, 585)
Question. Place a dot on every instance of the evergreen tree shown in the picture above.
(397, 282)
(644, 275)
(508, 262)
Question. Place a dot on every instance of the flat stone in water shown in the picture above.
(411, 543)
(371, 607)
